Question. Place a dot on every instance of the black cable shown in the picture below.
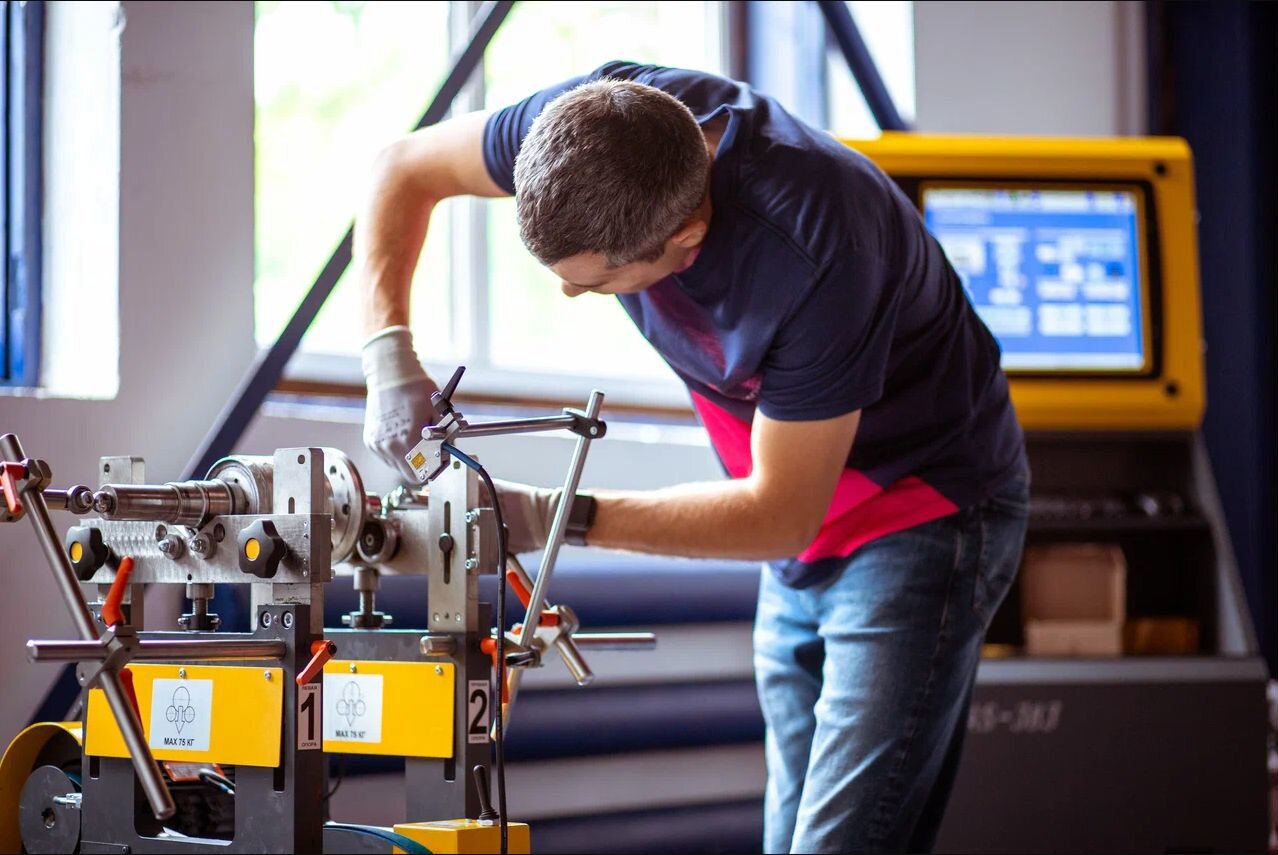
(221, 782)
(341, 775)
(499, 748)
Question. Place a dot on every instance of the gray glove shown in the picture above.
(527, 512)
(398, 398)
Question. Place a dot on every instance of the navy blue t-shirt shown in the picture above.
(817, 292)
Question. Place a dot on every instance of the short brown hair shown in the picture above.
(612, 167)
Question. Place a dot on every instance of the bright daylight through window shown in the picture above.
(336, 81)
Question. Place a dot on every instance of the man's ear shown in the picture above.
(691, 233)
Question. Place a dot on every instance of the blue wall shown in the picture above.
(1212, 81)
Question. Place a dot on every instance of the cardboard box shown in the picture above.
(1074, 599)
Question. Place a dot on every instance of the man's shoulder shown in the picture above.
(823, 195)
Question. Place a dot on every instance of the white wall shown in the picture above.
(1052, 68)
(162, 94)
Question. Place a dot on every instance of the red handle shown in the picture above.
(512, 576)
(9, 475)
(126, 682)
(489, 646)
(322, 650)
(111, 614)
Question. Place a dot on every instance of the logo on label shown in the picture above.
(180, 712)
(351, 706)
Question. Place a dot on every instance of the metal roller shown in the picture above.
(190, 503)
(241, 484)
(253, 475)
(348, 503)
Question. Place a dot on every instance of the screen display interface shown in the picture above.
(1054, 273)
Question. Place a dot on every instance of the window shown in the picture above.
(887, 26)
(21, 82)
(335, 81)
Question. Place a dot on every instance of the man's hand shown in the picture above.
(398, 397)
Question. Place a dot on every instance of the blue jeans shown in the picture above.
(865, 680)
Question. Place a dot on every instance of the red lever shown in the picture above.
(489, 646)
(322, 650)
(126, 682)
(9, 475)
(111, 614)
(523, 593)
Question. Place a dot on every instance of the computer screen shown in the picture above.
(1056, 274)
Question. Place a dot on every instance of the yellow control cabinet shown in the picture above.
(1161, 386)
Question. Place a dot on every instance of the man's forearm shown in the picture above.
(722, 519)
(388, 240)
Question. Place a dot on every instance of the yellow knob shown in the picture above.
(77, 551)
(252, 549)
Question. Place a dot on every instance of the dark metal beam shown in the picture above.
(268, 367)
(848, 37)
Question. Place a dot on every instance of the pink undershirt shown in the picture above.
(860, 511)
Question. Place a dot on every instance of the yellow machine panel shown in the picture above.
(399, 709)
(1164, 389)
(465, 836)
(198, 713)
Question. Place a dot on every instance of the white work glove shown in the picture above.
(398, 398)
(527, 512)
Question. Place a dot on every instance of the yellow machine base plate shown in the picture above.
(466, 836)
(206, 713)
(397, 709)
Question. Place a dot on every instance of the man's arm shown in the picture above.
(409, 178)
(774, 512)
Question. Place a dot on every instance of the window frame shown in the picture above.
(312, 372)
(21, 152)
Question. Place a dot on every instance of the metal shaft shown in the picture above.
(508, 426)
(575, 662)
(181, 503)
(559, 524)
(157, 794)
(77, 500)
(159, 649)
(616, 640)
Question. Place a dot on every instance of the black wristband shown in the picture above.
(581, 516)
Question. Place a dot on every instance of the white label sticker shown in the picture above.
(353, 707)
(477, 711)
(181, 714)
(309, 713)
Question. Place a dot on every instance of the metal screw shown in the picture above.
(472, 563)
(352, 667)
(171, 547)
(182, 673)
(287, 620)
(267, 619)
(435, 616)
(439, 669)
(594, 431)
(458, 617)
(267, 675)
(201, 545)
(471, 516)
